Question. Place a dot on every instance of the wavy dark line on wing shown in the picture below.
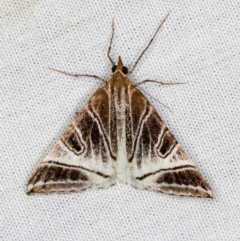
(164, 170)
(78, 167)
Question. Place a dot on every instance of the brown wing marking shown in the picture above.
(53, 176)
(85, 142)
(157, 160)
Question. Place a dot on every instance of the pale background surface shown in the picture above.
(199, 43)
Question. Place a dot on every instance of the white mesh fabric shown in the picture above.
(198, 43)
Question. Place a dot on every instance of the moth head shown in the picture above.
(120, 67)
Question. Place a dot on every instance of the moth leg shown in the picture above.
(159, 82)
(79, 75)
(155, 99)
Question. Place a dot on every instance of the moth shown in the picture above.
(118, 137)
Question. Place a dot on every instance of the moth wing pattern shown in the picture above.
(118, 137)
(84, 156)
(156, 160)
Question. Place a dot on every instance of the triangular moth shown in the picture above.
(118, 137)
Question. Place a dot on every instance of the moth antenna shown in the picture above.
(110, 45)
(161, 24)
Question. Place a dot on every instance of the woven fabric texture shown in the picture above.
(198, 44)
